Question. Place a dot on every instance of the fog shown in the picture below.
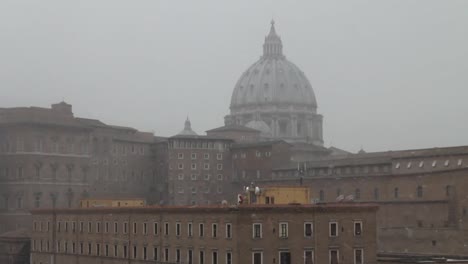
(387, 74)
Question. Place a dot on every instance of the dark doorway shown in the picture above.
(285, 258)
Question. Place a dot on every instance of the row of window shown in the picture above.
(206, 166)
(195, 177)
(409, 164)
(39, 146)
(193, 156)
(258, 154)
(193, 189)
(257, 230)
(118, 149)
(198, 145)
(396, 192)
(178, 256)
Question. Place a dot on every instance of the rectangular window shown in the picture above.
(308, 257)
(283, 228)
(89, 248)
(135, 228)
(155, 253)
(358, 256)
(125, 228)
(357, 228)
(145, 253)
(201, 257)
(166, 254)
(201, 230)
(284, 257)
(116, 227)
(107, 250)
(90, 229)
(155, 228)
(257, 230)
(189, 230)
(116, 251)
(81, 248)
(194, 156)
(106, 229)
(98, 249)
(228, 231)
(190, 256)
(334, 256)
(308, 229)
(177, 256)
(81, 227)
(125, 251)
(219, 166)
(228, 258)
(214, 230)
(219, 156)
(333, 229)
(194, 166)
(214, 259)
(177, 229)
(166, 228)
(257, 258)
(180, 155)
(135, 253)
(145, 228)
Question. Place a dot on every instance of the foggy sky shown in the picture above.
(387, 74)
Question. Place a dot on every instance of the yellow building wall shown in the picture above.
(282, 195)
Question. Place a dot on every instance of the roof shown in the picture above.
(18, 233)
(259, 144)
(233, 127)
(323, 207)
(200, 137)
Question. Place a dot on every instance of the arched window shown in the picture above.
(395, 192)
(322, 195)
(419, 191)
(357, 194)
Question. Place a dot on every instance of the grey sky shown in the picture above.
(387, 74)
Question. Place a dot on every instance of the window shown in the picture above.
(220, 177)
(194, 166)
(190, 256)
(135, 228)
(333, 229)
(446, 163)
(107, 250)
(106, 227)
(155, 228)
(177, 229)
(180, 155)
(214, 230)
(219, 166)
(448, 189)
(308, 257)
(135, 254)
(201, 230)
(98, 249)
(421, 164)
(376, 194)
(206, 177)
(219, 156)
(201, 257)
(419, 191)
(284, 257)
(145, 253)
(193, 177)
(357, 194)
(397, 166)
(166, 254)
(177, 256)
(89, 248)
(228, 258)
(257, 230)
(90, 229)
(116, 251)
(206, 166)
(193, 156)
(228, 231)
(180, 177)
(214, 258)
(395, 192)
(334, 256)
(258, 154)
(145, 228)
(308, 229)
(358, 256)
(434, 163)
(268, 154)
(155, 253)
(283, 230)
(357, 228)
(189, 230)
(166, 228)
(125, 251)
(206, 156)
(408, 166)
(460, 162)
(257, 258)
(322, 196)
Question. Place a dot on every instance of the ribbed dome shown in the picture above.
(273, 80)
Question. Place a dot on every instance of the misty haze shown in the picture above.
(244, 132)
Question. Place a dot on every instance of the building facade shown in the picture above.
(283, 234)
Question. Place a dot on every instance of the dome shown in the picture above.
(261, 126)
(187, 131)
(274, 96)
(273, 80)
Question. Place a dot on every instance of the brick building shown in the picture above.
(283, 234)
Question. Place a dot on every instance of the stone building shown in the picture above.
(283, 234)
(50, 158)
